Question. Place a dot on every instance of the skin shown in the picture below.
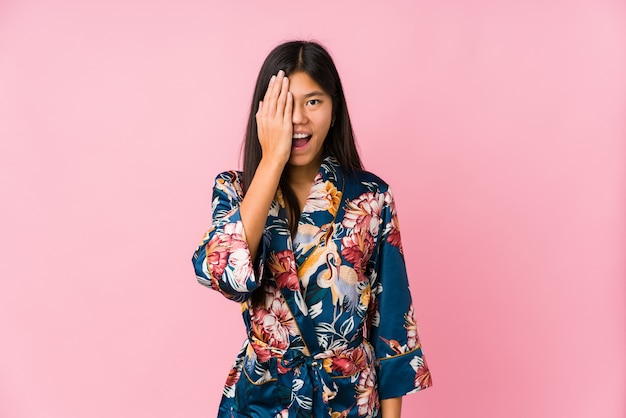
(294, 104)
(391, 408)
(297, 104)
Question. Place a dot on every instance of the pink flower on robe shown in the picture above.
(357, 249)
(411, 329)
(422, 377)
(367, 393)
(216, 256)
(272, 326)
(346, 361)
(394, 233)
(229, 248)
(283, 267)
(393, 227)
(363, 214)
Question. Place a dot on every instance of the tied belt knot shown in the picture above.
(310, 385)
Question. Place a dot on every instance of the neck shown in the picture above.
(303, 176)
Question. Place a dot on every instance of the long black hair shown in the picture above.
(312, 59)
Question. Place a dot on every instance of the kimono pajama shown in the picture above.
(332, 330)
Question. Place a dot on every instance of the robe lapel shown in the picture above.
(314, 227)
(318, 215)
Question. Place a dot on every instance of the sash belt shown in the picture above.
(311, 386)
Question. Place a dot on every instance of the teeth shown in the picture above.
(300, 136)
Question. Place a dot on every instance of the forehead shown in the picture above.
(300, 84)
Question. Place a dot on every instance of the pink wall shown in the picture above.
(500, 126)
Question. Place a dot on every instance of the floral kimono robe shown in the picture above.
(332, 330)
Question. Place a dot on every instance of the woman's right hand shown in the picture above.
(275, 130)
(274, 123)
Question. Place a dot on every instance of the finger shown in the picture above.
(259, 110)
(275, 88)
(288, 108)
(282, 98)
(269, 88)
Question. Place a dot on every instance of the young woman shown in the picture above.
(309, 244)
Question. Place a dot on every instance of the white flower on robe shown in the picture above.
(323, 196)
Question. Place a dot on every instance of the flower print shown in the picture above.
(366, 295)
(367, 393)
(411, 335)
(283, 267)
(363, 214)
(271, 326)
(233, 376)
(347, 361)
(279, 197)
(341, 414)
(393, 237)
(229, 248)
(239, 262)
(274, 209)
(261, 349)
(328, 393)
(323, 196)
(357, 247)
(411, 329)
(216, 258)
(372, 315)
(282, 414)
(422, 377)
(231, 187)
(422, 373)
(393, 227)
(285, 324)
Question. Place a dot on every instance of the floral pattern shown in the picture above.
(323, 322)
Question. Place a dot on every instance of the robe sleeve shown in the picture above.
(402, 368)
(222, 260)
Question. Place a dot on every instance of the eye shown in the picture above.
(313, 102)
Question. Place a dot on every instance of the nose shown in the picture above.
(298, 115)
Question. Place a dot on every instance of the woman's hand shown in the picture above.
(275, 130)
(274, 123)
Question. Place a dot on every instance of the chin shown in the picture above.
(304, 160)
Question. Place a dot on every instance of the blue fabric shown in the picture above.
(334, 332)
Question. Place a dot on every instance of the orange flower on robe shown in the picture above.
(233, 376)
(323, 196)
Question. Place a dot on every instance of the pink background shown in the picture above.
(500, 126)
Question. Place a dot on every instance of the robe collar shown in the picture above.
(320, 210)
(315, 225)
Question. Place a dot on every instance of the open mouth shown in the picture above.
(300, 139)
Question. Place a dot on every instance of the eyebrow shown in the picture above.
(314, 93)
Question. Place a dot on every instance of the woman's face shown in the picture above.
(312, 116)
